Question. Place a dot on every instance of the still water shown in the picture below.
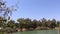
(39, 32)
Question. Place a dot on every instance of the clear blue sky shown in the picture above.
(36, 9)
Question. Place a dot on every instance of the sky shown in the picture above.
(35, 9)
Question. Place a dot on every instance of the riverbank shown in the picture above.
(24, 30)
(53, 31)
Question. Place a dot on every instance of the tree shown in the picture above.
(39, 23)
(4, 8)
(21, 22)
(11, 24)
(28, 22)
(2, 21)
(58, 24)
(48, 23)
(34, 23)
(44, 22)
(5, 11)
(53, 23)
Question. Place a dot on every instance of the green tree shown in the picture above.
(39, 23)
(11, 23)
(44, 22)
(2, 21)
(58, 24)
(48, 23)
(34, 23)
(53, 23)
(28, 23)
(20, 21)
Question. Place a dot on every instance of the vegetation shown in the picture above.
(9, 25)
(28, 24)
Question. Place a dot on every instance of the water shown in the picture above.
(39, 32)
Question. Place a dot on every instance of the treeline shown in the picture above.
(28, 23)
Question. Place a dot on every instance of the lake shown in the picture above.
(39, 32)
